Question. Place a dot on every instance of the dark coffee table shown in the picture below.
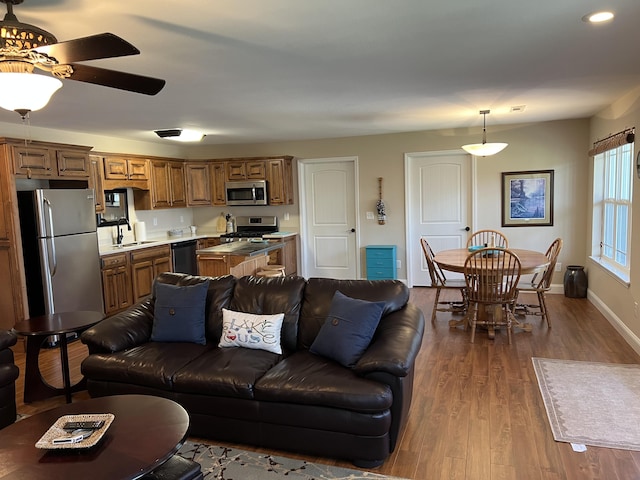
(145, 433)
(37, 329)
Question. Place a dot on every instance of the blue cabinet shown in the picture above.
(381, 262)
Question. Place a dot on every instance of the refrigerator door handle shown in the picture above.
(51, 257)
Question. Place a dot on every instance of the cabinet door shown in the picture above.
(95, 181)
(142, 278)
(280, 179)
(255, 170)
(160, 191)
(198, 184)
(162, 265)
(235, 170)
(290, 256)
(117, 289)
(32, 161)
(115, 168)
(177, 188)
(137, 169)
(72, 163)
(218, 194)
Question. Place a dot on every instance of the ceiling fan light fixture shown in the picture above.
(484, 149)
(180, 135)
(20, 92)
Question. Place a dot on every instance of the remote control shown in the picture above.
(90, 425)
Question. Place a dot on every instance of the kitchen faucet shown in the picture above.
(120, 236)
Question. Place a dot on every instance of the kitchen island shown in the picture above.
(235, 258)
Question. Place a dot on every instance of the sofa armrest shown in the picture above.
(122, 331)
(395, 344)
(7, 339)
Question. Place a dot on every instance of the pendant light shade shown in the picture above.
(26, 92)
(484, 149)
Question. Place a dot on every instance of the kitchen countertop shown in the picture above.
(243, 249)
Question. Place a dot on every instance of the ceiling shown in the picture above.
(246, 71)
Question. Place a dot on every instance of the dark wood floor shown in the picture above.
(477, 411)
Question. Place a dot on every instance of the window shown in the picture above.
(612, 190)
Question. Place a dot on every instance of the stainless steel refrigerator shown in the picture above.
(60, 250)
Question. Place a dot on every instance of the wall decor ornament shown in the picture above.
(382, 216)
(527, 198)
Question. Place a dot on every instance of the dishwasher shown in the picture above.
(184, 258)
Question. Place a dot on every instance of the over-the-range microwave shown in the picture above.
(246, 193)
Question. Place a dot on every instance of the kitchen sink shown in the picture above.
(132, 244)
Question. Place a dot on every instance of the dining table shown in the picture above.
(453, 260)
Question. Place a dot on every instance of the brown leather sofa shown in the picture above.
(8, 375)
(296, 401)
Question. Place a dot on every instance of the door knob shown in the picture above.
(352, 230)
(467, 229)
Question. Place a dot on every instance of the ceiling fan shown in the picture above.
(24, 47)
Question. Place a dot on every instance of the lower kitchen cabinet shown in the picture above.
(116, 283)
(287, 255)
(147, 264)
(127, 277)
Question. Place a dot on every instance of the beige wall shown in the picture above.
(616, 299)
(559, 145)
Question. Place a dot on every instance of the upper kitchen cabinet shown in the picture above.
(198, 184)
(95, 181)
(125, 171)
(42, 160)
(279, 176)
(217, 170)
(168, 186)
(245, 170)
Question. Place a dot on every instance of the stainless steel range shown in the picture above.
(251, 228)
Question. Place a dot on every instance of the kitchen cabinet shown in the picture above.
(217, 265)
(125, 171)
(286, 256)
(168, 187)
(116, 283)
(95, 181)
(381, 262)
(38, 160)
(245, 170)
(147, 264)
(218, 194)
(198, 184)
(279, 177)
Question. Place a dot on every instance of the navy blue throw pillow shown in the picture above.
(179, 313)
(348, 329)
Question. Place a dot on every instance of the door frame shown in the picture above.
(408, 164)
(304, 216)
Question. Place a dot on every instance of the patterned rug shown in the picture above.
(222, 463)
(589, 403)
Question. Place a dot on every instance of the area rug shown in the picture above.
(222, 463)
(590, 403)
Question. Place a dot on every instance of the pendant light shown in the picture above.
(484, 149)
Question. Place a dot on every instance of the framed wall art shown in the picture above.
(527, 198)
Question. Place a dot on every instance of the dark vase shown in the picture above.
(575, 282)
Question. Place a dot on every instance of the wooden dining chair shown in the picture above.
(440, 282)
(492, 277)
(540, 284)
(483, 238)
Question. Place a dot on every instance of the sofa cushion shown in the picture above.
(264, 295)
(152, 364)
(228, 372)
(348, 329)
(319, 292)
(258, 332)
(309, 379)
(179, 313)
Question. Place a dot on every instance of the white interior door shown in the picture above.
(438, 194)
(328, 206)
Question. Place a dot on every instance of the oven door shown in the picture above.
(246, 193)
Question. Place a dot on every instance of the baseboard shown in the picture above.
(630, 337)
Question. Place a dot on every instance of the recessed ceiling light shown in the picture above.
(597, 17)
(180, 135)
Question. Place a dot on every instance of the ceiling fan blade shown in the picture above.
(111, 78)
(102, 45)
